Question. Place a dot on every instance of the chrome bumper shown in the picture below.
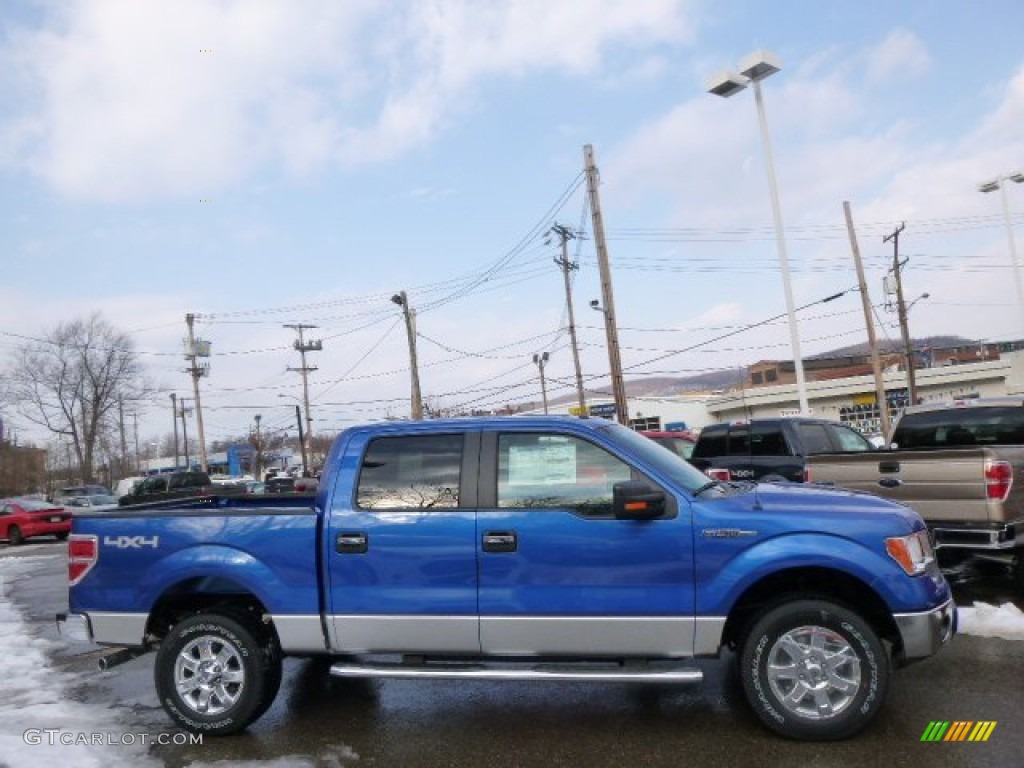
(924, 633)
(74, 627)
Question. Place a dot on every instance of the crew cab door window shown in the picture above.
(814, 438)
(850, 440)
(543, 471)
(411, 472)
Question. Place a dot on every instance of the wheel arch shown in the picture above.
(812, 582)
(206, 594)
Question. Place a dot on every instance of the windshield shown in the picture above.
(668, 463)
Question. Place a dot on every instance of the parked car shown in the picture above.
(97, 503)
(774, 449)
(23, 518)
(73, 491)
(680, 443)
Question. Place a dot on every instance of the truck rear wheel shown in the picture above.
(213, 675)
(814, 671)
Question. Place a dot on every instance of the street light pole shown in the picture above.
(1000, 184)
(542, 360)
(753, 69)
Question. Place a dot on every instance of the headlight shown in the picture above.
(914, 552)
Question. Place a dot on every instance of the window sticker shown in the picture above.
(547, 463)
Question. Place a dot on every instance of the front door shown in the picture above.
(559, 575)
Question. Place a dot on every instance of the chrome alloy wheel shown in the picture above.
(208, 675)
(814, 672)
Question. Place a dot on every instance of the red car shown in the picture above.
(680, 443)
(21, 519)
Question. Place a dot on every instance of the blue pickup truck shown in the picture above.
(519, 548)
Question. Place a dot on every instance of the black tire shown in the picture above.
(814, 671)
(232, 650)
(14, 537)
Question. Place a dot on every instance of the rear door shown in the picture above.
(400, 546)
(558, 573)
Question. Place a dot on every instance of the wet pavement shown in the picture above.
(320, 721)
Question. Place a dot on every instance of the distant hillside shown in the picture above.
(662, 386)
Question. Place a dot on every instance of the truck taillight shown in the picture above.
(998, 479)
(83, 551)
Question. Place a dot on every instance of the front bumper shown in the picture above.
(923, 634)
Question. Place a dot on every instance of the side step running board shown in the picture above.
(596, 673)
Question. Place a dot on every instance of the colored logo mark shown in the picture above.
(959, 730)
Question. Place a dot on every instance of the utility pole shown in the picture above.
(565, 235)
(410, 329)
(901, 310)
(540, 361)
(869, 323)
(174, 418)
(135, 423)
(194, 349)
(257, 469)
(611, 331)
(124, 444)
(303, 347)
(184, 431)
(302, 440)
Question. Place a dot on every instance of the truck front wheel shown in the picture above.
(813, 670)
(214, 676)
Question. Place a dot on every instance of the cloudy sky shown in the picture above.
(263, 163)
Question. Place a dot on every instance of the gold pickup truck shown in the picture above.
(958, 464)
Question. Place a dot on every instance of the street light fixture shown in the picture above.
(540, 361)
(753, 69)
(1000, 184)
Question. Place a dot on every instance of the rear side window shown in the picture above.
(767, 440)
(411, 472)
(710, 443)
(958, 427)
(739, 441)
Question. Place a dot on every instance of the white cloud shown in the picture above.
(127, 100)
(902, 56)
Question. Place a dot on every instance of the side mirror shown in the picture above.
(637, 501)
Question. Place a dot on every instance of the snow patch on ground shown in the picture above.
(38, 717)
(984, 620)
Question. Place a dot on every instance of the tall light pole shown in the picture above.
(541, 360)
(991, 186)
(753, 69)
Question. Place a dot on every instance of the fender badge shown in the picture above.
(726, 533)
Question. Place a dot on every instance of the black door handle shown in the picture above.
(500, 541)
(888, 467)
(351, 543)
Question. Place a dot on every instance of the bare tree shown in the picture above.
(71, 381)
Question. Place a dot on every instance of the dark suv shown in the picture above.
(176, 485)
(773, 449)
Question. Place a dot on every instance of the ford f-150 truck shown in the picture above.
(530, 548)
(959, 464)
(770, 448)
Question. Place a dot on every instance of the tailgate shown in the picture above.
(942, 486)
